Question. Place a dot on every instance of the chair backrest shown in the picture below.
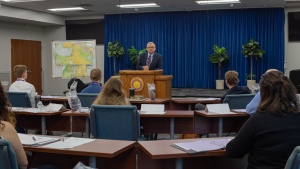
(116, 122)
(294, 160)
(19, 99)
(87, 99)
(238, 101)
(80, 85)
(7, 155)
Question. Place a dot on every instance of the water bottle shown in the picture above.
(75, 103)
(40, 105)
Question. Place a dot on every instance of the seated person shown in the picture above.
(270, 135)
(112, 93)
(94, 86)
(231, 80)
(8, 132)
(252, 106)
(20, 85)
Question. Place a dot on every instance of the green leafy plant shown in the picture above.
(252, 49)
(116, 50)
(219, 56)
(250, 76)
(134, 54)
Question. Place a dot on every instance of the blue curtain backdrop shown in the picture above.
(186, 39)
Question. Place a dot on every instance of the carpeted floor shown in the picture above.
(197, 92)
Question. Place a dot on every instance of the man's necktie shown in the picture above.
(149, 61)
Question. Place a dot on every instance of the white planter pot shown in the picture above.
(250, 83)
(219, 84)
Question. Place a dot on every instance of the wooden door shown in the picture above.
(29, 53)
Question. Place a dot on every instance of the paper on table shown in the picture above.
(239, 110)
(203, 145)
(204, 99)
(85, 109)
(31, 140)
(154, 112)
(153, 107)
(219, 108)
(69, 143)
(16, 109)
(49, 97)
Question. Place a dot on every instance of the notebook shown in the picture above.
(153, 109)
(219, 108)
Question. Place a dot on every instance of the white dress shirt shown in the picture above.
(23, 86)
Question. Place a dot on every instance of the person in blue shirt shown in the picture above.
(253, 105)
(94, 86)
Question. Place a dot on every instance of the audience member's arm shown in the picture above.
(253, 105)
(9, 133)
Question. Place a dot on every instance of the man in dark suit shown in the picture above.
(150, 60)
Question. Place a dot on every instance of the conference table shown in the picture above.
(188, 103)
(138, 102)
(29, 120)
(99, 153)
(76, 119)
(172, 121)
(159, 154)
(209, 122)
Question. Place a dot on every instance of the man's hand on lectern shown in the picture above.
(145, 68)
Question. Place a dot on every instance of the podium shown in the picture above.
(139, 79)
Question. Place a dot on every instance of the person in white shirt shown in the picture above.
(20, 85)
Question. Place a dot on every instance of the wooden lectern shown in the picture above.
(139, 79)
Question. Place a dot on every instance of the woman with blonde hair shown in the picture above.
(112, 93)
(7, 130)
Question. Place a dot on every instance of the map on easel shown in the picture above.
(73, 59)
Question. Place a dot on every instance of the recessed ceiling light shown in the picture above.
(138, 5)
(217, 2)
(67, 9)
(16, 1)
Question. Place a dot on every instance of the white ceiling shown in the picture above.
(101, 7)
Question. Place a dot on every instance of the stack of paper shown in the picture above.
(69, 143)
(202, 145)
(34, 140)
(219, 108)
(153, 109)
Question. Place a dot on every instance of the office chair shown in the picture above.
(7, 155)
(238, 101)
(87, 99)
(294, 160)
(18, 99)
(116, 122)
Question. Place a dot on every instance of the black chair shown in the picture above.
(294, 160)
(115, 122)
(238, 101)
(87, 99)
(7, 155)
(18, 99)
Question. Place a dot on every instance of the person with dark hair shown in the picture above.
(94, 86)
(112, 93)
(270, 135)
(252, 106)
(7, 130)
(150, 60)
(20, 85)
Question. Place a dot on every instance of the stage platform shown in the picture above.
(197, 92)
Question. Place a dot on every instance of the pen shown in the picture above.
(33, 138)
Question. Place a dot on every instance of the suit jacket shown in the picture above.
(155, 64)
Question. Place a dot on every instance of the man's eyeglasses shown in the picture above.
(151, 47)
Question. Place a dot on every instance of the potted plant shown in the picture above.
(134, 54)
(219, 56)
(116, 50)
(250, 50)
